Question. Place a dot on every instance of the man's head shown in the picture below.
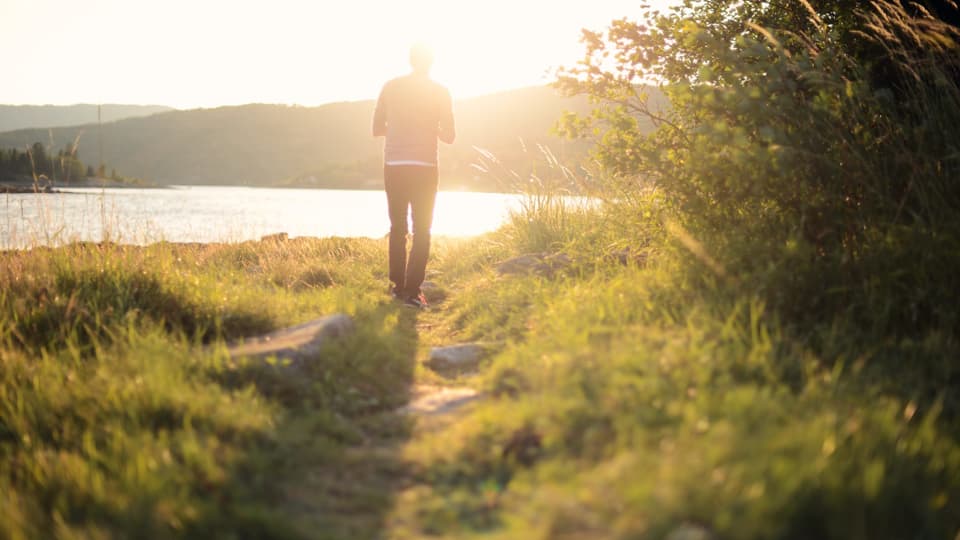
(421, 58)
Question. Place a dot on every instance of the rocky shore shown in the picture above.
(26, 184)
(27, 188)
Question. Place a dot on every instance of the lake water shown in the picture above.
(226, 214)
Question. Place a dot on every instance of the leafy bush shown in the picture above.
(813, 180)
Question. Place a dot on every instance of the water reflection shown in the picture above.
(226, 214)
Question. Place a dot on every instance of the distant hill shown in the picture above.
(325, 146)
(44, 116)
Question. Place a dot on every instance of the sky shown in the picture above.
(208, 53)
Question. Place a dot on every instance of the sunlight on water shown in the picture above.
(226, 214)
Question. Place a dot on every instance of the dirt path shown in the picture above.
(354, 495)
(298, 344)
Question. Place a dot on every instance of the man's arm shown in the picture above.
(446, 131)
(380, 115)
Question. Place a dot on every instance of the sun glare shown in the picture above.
(203, 54)
(486, 49)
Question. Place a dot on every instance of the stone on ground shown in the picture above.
(433, 292)
(541, 264)
(458, 358)
(690, 531)
(437, 400)
(276, 237)
(295, 344)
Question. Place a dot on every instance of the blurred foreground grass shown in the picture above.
(121, 414)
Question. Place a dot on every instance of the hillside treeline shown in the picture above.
(44, 116)
(326, 146)
(34, 162)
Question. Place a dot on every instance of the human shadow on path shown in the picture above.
(336, 450)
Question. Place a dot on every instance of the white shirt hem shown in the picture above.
(410, 162)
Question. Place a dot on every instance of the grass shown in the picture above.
(121, 413)
(750, 344)
(624, 400)
(628, 403)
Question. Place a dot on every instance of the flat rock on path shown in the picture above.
(689, 531)
(464, 357)
(437, 400)
(296, 343)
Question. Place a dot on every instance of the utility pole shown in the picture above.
(102, 170)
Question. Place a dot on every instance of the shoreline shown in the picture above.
(23, 185)
(55, 188)
(22, 189)
(26, 184)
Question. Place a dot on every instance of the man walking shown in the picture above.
(412, 112)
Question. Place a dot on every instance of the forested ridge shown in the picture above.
(42, 116)
(325, 146)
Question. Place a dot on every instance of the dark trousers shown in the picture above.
(410, 188)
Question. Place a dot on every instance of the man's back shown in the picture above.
(413, 112)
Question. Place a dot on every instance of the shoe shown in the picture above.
(418, 301)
